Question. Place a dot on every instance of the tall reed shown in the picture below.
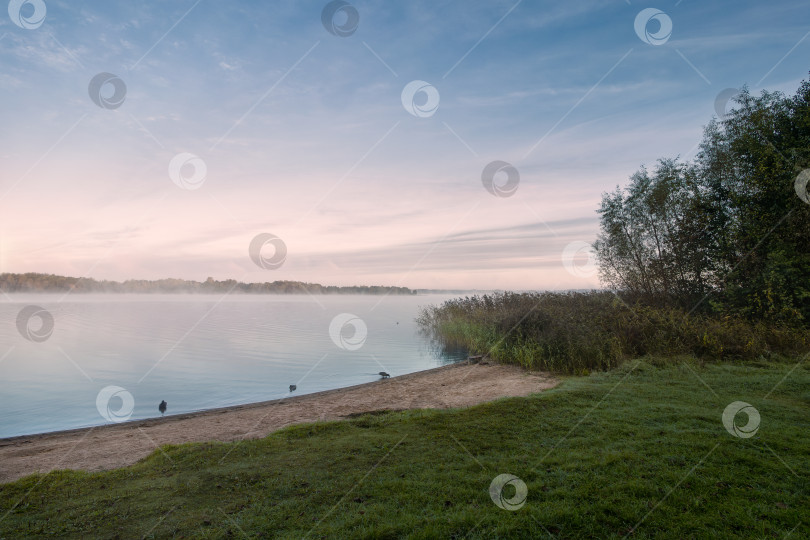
(578, 332)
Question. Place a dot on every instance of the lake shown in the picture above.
(96, 359)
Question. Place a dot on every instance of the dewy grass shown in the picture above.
(580, 332)
(640, 450)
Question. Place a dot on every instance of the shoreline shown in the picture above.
(117, 445)
(155, 420)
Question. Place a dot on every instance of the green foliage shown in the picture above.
(582, 332)
(727, 231)
(654, 243)
(641, 449)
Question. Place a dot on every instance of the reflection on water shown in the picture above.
(197, 352)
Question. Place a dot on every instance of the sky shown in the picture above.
(425, 144)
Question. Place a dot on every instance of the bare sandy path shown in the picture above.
(118, 445)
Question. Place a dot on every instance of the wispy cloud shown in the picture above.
(191, 75)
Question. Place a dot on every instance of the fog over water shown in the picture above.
(196, 352)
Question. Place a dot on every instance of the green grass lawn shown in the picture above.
(640, 450)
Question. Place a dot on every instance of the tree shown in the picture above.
(653, 242)
(727, 231)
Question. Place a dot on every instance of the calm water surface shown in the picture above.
(196, 352)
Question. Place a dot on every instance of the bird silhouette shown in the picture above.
(384, 375)
(292, 388)
(162, 407)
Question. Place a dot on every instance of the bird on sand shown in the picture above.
(162, 406)
(293, 387)
(384, 375)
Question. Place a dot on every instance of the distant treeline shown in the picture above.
(33, 282)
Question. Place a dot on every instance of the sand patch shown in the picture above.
(118, 445)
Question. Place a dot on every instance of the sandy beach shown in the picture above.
(118, 445)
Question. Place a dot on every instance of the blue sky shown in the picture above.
(303, 134)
